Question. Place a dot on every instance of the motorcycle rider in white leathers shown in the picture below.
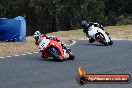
(86, 26)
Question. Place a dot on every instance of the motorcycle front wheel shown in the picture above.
(110, 43)
(103, 42)
(55, 53)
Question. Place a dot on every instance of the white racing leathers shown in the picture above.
(92, 31)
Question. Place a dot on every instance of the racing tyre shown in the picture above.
(91, 40)
(43, 55)
(110, 43)
(104, 43)
(55, 53)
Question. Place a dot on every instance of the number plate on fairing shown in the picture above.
(43, 43)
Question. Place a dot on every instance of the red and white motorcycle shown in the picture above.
(99, 35)
(53, 48)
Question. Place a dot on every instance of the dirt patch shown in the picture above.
(13, 48)
(72, 34)
(120, 32)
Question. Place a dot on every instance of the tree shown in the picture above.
(54, 15)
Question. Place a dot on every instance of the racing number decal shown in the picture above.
(44, 43)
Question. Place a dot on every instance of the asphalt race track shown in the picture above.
(31, 72)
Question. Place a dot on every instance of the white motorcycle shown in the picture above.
(99, 35)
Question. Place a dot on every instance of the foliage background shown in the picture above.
(56, 15)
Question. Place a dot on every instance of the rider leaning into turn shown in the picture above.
(86, 25)
(38, 37)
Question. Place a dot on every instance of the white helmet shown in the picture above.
(37, 35)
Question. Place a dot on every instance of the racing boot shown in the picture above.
(64, 46)
(66, 55)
